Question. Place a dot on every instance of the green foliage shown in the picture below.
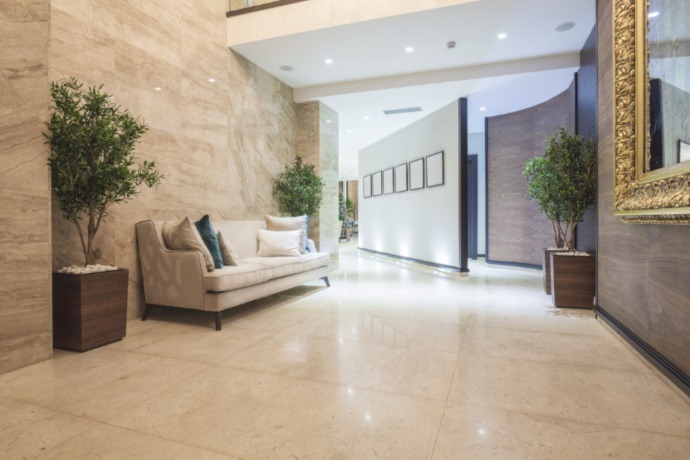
(298, 189)
(342, 208)
(92, 157)
(563, 182)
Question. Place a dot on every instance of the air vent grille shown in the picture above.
(405, 110)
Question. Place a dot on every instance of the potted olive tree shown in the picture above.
(299, 190)
(92, 168)
(563, 183)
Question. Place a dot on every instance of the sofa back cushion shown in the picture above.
(279, 244)
(241, 234)
(184, 235)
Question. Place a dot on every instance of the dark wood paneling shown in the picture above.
(89, 310)
(586, 236)
(572, 280)
(643, 270)
(517, 231)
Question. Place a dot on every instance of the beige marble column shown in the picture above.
(25, 251)
(317, 143)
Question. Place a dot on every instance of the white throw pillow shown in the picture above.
(275, 244)
(290, 223)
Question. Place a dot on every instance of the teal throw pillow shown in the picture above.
(208, 235)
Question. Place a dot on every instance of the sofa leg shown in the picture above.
(219, 319)
(325, 279)
(147, 312)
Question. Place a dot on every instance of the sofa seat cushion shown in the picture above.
(282, 266)
(242, 275)
(314, 260)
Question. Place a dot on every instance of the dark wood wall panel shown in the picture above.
(517, 231)
(643, 270)
(586, 235)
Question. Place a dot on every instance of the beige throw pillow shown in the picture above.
(290, 223)
(184, 236)
(228, 252)
(275, 244)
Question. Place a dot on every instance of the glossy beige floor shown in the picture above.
(390, 362)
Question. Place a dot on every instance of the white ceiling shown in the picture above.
(372, 49)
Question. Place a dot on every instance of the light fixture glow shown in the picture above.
(653, 14)
(158, 88)
(502, 36)
(328, 61)
(211, 80)
(409, 49)
(482, 109)
(349, 130)
(328, 121)
(366, 117)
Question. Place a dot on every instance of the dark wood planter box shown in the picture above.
(89, 310)
(572, 280)
(546, 268)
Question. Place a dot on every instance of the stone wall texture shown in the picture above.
(219, 143)
(25, 275)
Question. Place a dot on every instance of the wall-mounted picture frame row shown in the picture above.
(423, 172)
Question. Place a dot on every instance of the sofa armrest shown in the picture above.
(171, 278)
(311, 246)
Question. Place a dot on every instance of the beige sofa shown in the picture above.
(180, 278)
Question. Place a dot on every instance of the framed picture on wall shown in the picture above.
(434, 169)
(366, 186)
(683, 151)
(417, 174)
(401, 178)
(388, 181)
(376, 184)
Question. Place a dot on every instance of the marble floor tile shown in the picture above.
(370, 327)
(259, 416)
(96, 385)
(109, 442)
(560, 320)
(408, 371)
(551, 347)
(639, 401)
(27, 431)
(480, 433)
(187, 342)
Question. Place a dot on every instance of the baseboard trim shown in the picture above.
(416, 261)
(513, 264)
(673, 373)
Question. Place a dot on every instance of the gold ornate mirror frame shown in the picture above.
(660, 196)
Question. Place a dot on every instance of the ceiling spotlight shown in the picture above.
(482, 109)
(409, 49)
(211, 80)
(286, 68)
(349, 130)
(328, 61)
(502, 36)
(450, 45)
(565, 26)
(158, 88)
(653, 14)
(328, 121)
(366, 117)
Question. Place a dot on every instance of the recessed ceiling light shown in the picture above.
(158, 88)
(328, 61)
(502, 36)
(565, 26)
(349, 130)
(366, 117)
(211, 80)
(654, 14)
(286, 68)
(409, 49)
(481, 109)
(328, 121)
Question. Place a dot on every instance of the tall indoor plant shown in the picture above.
(92, 167)
(563, 183)
(298, 189)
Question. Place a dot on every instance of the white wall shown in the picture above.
(419, 224)
(476, 145)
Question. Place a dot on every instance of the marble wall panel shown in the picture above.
(25, 253)
(219, 144)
